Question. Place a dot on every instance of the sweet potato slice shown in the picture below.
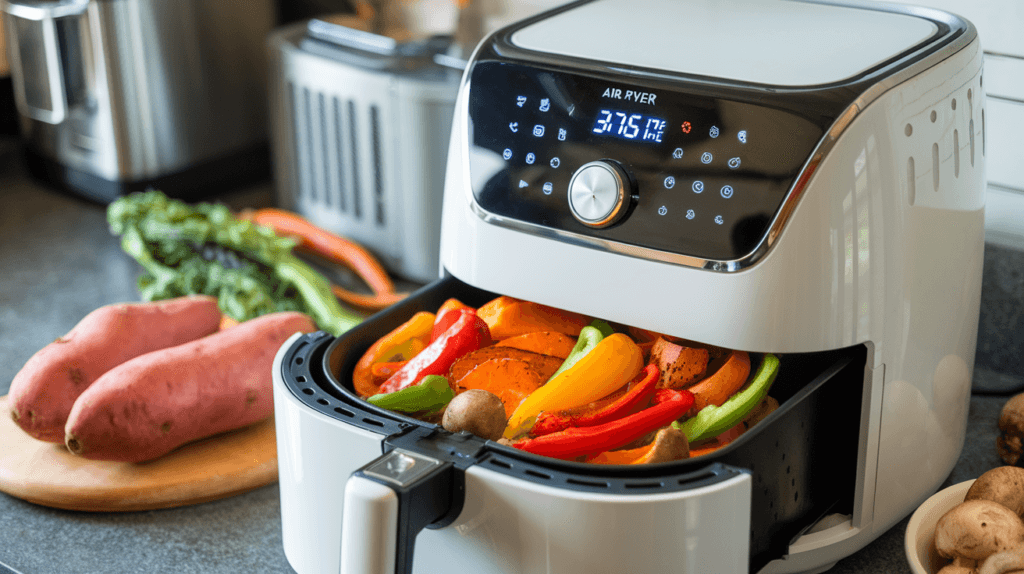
(679, 365)
(511, 380)
(543, 364)
(508, 317)
(550, 343)
(723, 383)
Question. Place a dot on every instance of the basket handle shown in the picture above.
(387, 503)
(36, 67)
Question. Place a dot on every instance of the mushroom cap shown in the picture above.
(976, 529)
(1011, 425)
(1003, 484)
(477, 411)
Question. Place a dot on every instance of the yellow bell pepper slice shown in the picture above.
(615, 361)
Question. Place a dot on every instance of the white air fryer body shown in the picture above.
(878, 243)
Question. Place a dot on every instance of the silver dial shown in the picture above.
(598, 193)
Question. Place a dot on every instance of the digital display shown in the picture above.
(706, 173)
(629, 126)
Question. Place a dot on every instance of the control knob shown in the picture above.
(599, 193)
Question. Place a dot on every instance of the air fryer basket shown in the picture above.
(802, 457)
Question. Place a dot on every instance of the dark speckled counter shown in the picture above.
(58, 262)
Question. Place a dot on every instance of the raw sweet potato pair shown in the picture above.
(132, 382)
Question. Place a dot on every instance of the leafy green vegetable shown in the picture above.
(204, 249)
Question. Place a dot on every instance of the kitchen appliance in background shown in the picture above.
(798, 178)
(360, 125)
(8, 111)
(120, 95)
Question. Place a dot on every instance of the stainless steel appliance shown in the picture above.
(361, 124)
(798, 178)
(119, 95)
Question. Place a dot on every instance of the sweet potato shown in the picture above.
(549, 343)
(152, 404)
(507, 317)
(511, 380)
(44, 390)
(545, 365)
(679, 365)
(719, 386)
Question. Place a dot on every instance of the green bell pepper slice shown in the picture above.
(430, 395)
(713, 420)
(589, 338)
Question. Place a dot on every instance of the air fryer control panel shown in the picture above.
(645, 165)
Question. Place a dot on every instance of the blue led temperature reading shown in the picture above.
(627, 126)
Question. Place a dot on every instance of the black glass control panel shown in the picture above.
(707, 174)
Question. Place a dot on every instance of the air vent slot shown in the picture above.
(590, 483)
(378, 175)
(911, 181)
(353, 131)
(956, 153)
(339, 154)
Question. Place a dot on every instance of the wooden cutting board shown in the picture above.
(216, 467)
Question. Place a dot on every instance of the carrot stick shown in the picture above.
(372, 302)
(326, 244)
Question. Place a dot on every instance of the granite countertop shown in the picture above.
(57, 263)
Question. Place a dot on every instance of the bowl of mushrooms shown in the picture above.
(974, 527)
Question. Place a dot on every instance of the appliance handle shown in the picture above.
(387, 503)
(32, 27)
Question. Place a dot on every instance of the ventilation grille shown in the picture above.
(333, 136)
(945, 144)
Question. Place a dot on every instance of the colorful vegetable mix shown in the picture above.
(203, 249)
(586, 396)
(573, 443)
(639, 395)
(714, 420)
(612, 363)
(467, 333)
(428, 396)
(400, 345)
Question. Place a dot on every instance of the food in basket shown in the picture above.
(563, 385)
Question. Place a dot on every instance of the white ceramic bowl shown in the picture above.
(919, 543)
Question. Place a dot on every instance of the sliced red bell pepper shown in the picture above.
(639, 396)
(573, 443)
(446, 317)
(467, 333)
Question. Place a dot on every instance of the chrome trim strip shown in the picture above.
(958, 43)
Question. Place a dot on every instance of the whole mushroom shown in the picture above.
(1010, 442)
(477, 411)
(1003, 484)
(977, 529)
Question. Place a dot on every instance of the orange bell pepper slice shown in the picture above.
(401, 344)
